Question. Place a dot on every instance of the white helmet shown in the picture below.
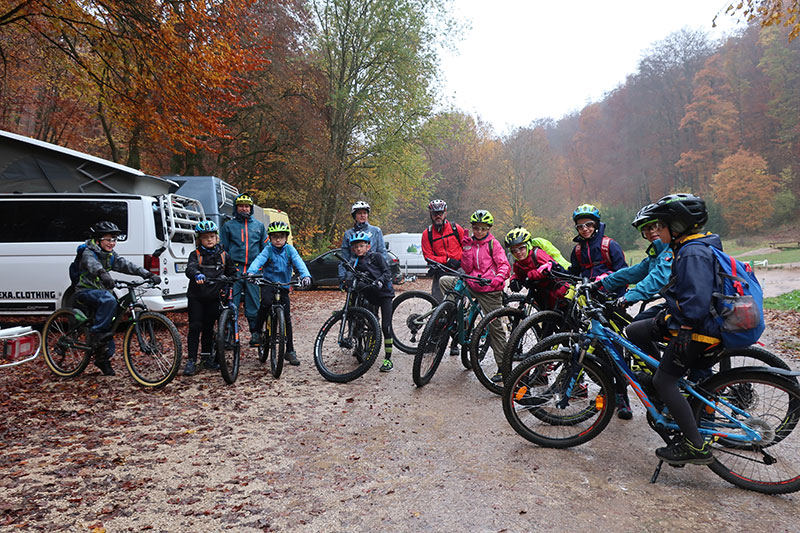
(361, 204)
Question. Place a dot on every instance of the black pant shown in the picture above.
(202, 315)
(267, 298)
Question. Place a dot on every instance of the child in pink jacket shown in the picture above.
(483, 256)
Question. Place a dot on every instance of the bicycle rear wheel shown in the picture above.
(526, 335)
(277, 345)
(152, 350)
(771, 465)
(350, 358)
(535, 401)
(66, 350)
(410, 313)
(482, 356)
(227, 346)
(433, 343)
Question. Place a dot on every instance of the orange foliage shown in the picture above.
(745, 191)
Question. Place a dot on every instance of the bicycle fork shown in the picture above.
(345, 341)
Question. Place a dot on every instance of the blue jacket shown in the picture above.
(375, 242)
(650, 275)
(243, 237)
(591, 255)
(277, 263)
(689, 294)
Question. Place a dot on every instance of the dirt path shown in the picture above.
(302, 454)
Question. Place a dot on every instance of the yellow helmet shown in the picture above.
(243, 199)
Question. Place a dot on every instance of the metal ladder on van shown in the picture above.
(179, 216)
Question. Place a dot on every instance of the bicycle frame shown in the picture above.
(460, 292)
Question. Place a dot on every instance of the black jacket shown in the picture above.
(209, 263)
(375, 265)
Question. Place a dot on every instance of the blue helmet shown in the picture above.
(206, 226)
(586, 211)
(360, 236)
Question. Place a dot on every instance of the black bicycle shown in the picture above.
(273, 334)
(348, 343)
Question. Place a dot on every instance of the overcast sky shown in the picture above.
(529, 59)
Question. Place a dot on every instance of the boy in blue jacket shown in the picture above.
(277, 260)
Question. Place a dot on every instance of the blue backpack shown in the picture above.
(738, 305)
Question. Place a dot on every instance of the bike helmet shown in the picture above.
(682, 212)
(278, 226)
(586, 211)
(517, 236)
(206, 226)
(482, 216)
(104, 228)
(360, 236)
(361, 204)
(643, 217)
(437, 206)
(243, 199)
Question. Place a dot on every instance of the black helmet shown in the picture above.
(682, 212)
(104, 228)
(643, 217)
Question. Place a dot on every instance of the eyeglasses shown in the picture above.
(587, 225)
(109, 239)
(480, 228)
(438, 213)
(518, 249)
(655, 226)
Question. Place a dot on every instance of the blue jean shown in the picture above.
(103, 303)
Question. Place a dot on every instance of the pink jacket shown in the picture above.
(477, 260)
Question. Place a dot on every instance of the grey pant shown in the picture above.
(488, 301)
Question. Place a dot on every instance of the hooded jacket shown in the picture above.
(375, 265)
(650, 275)
(94, 261)
(592, 255)
(548, 289)
(243, 237)
(209, 263)
(481, 259)
(375, 242)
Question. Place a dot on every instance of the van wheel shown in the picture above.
(68, 300)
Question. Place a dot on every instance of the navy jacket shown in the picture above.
(376, 243)
(375, 265)
(591, 255)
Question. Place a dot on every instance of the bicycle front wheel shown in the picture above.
(344, 359)
(152, 350)
(228, 346)
(772, 403)
(66, 351)
(433, 343)
(482, 356)
(410, 313)
(277, 345)
(526, 335)
(541, 407)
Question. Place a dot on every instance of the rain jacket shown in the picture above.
(243, 237)
(486, 261)
(546, 290)
(209, 263)
(276, 264)
(378, 269)
(446, 243)
(591, 255)
(94, 261)
(650, 275)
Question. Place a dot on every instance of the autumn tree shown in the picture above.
(745, 191)
(769, 13)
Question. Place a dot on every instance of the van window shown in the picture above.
(57, 220)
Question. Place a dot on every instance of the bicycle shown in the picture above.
(227, 348)
(273, 336)
(19, 345)
(563, 398)
(354, 349)
(452, 317)
(151, 346)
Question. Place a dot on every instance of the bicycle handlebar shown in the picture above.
(446, 269)
(125, 284)
(258, 279)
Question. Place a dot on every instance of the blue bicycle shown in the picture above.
(565, 397)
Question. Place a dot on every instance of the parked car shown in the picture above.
(324, 269)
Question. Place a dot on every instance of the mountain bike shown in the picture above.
(273, 336)
(348, 342)
(454, 317)
(151, 346)
(563, 398)
(19, 345)
(227, 347)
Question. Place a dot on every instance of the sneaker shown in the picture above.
(497, 378)
(105, 367)
(255, 339)
(211, 363)
(191, 368)
(455, 351)
(623, 407)
(387, 365)
(684, 452)
(291, 357)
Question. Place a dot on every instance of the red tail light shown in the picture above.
(152, 263)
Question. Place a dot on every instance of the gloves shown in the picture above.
(155, 278)
(200, 278)
(535, 275)
(344, 285)
(106, 280)
(515, 285)
(595, 286)
(455, 264)
(378, 284)
(680, 344)
(305, 282)
(484, 282)
(622, 302)
(545, 268)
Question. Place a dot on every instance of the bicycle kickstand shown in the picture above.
(657, 472)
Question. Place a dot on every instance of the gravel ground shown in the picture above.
(302, 454)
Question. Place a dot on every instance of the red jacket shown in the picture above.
(547, 290)
(444, 247)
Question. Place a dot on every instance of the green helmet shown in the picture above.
(517, 236)
(482, 216)
(278, 226)
(243, 199)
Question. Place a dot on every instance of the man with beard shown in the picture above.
(441, 242)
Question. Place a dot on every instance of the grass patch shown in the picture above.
(791, 255)
(785, 302)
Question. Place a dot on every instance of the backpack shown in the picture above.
(75, 266)
(551, 250)
(738, 305)
(605, 243)
(453, 229)
(222, 255)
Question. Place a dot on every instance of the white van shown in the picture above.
(408, 249)
(40, 232)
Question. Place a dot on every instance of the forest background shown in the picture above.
(310, 105)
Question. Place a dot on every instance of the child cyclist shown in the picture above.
(277, 260)
(381, 292)
(531, 269)
(208, 262)
(595, 255)
(483, 256)
(95, 285)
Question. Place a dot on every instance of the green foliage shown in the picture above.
(618, 225)
(785, 302)
(716, 223)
